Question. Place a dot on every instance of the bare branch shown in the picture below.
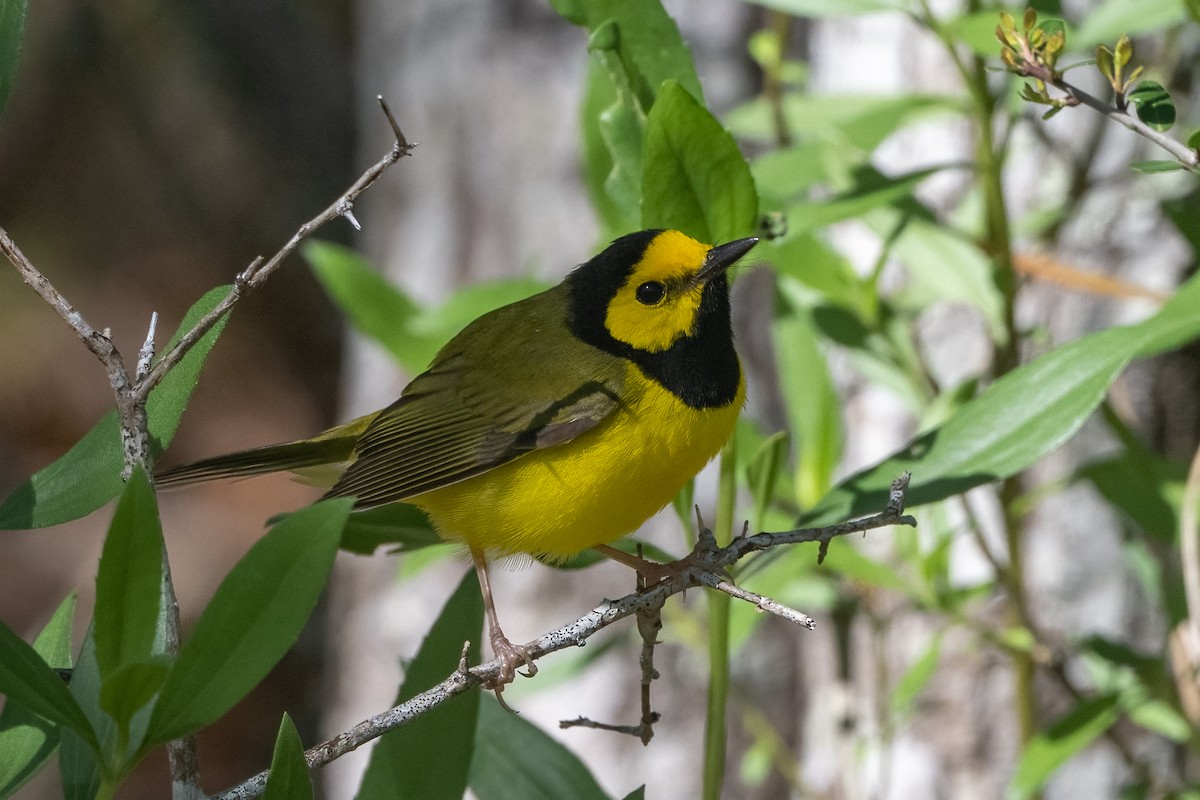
(259, 270)
(707, 559)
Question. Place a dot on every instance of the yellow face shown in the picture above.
(658, 303)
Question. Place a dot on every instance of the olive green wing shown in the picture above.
(512, 382)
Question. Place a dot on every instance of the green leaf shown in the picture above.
(861, 122)
(441, 741)
(872, 189)
(128, 588)
(694, 179)
(1193, 7)
(399, 526)
(289, 778)
(810, 398)
(1047, 751)
(1145, 488)
(1155, 166)
(12, 28)
(412, 334)
(373, 305)
(916, 677)
(1113, 18)
(599, 146)
(513, 758)
(850, 562)
(27, 680)
(977, 30)
(27, 740)
(1154, 105)
(646, 40)
(823, 8)
(255, 616)
(1161, 718)
(1019, 418)
(89, 474)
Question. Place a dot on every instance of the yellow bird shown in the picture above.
(553, 424)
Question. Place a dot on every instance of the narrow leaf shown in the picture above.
(1019, 418)
(255, 616)
(441, 741)
(289, 778)
(12, 28)
(694, 177)
(129, 579)
(1047, 751)
(398, 526)
(1155, 166)
(27, 740)
(89, 474)
(514, 758)
(27, 680)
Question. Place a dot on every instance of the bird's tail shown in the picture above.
(333, 447)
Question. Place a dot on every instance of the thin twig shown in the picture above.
(259, 270)
(706, 557)
(1030, 67)
(131, 394)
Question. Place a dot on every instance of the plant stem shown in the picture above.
(718, 638)
(1006, 357)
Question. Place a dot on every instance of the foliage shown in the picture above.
(655, 155)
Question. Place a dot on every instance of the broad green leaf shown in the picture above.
(694, 179)
(1049, 750)
(131, 687)
(27, 740)
(128, 587)
(841, 8)
(1115, 18)
(26, 679)
(89, 474)
(810, 398)
(514, 758)
(823, 269)
(1154, 105)
(1193, 7)
(786, 174)
(916, 677)
(647, 40)
(1019, 418)
(398, 526)
(289, 778)
(441, 741)
(12, 28)
(255, 616)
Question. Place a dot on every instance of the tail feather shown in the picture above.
(299, 455)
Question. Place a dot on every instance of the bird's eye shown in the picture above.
(650, 293)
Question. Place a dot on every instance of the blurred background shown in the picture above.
(151, 150)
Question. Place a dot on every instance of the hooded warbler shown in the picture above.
(553, 424)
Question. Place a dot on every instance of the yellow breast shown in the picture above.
(596, 488)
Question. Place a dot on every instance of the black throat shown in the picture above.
(700, 369)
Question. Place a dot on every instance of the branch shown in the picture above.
(259, 270)
(704, 566)
(131, 393)
(1029, 65)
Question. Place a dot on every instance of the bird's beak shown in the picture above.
(721, 258)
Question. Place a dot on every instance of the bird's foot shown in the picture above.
(511, 656)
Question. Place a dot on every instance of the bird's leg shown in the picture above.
(511, 655)
(652, 571)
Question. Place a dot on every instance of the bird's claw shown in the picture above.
(511, 656)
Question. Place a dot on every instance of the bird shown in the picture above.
(551, 425)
